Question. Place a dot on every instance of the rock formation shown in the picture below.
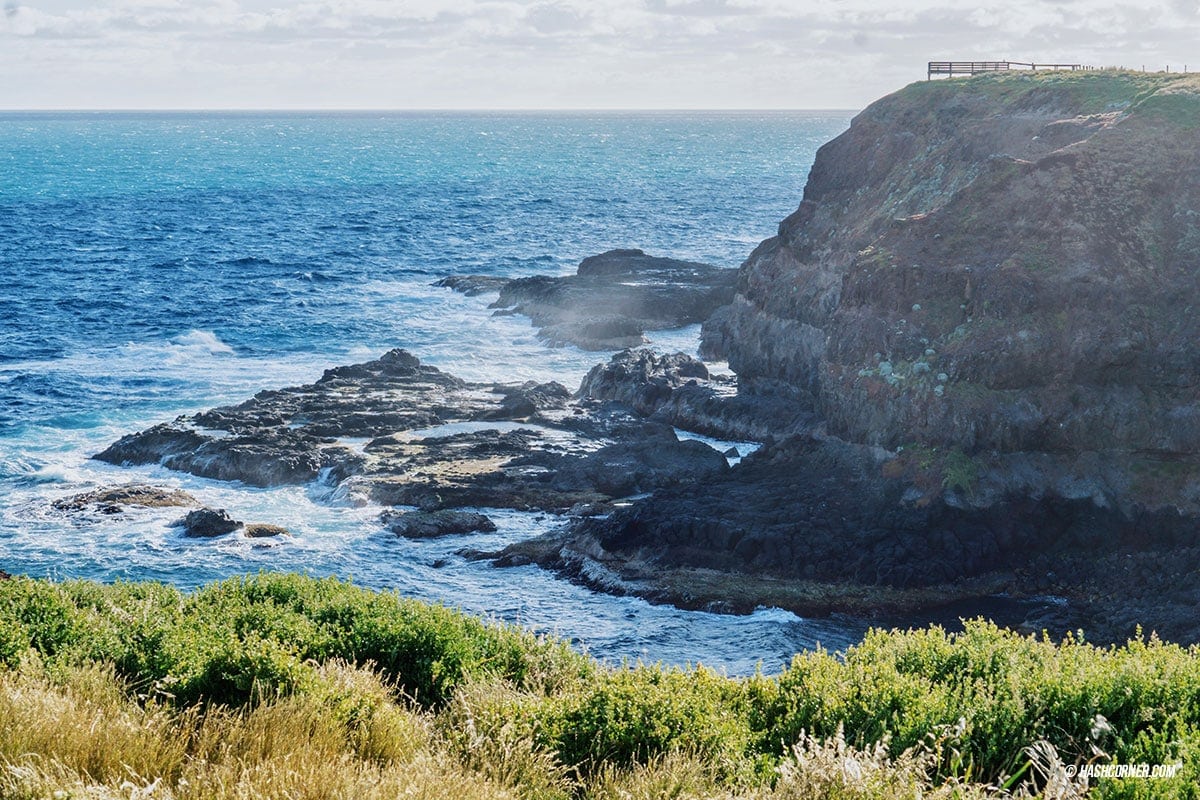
(1002, 264)
(436, 442)
(984, 320)
(612, 300)
(116, 499)
(972, 355)
(205, 523)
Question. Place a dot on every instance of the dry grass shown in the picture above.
(79, 734)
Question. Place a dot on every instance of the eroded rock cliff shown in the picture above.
(989, 301)
(1001, 264)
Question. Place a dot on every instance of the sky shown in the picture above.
(546, 54)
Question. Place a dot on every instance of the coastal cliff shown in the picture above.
(988, 301)
(970, 355)
(1005, 263)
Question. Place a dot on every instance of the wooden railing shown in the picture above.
(974, 67)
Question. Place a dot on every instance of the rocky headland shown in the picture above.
(970, 356)
(987, 305)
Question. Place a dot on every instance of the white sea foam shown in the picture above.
(55, 473)
(722, 445)
(201, 342)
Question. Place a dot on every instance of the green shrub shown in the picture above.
(263, 634)
(983, 695)
(35, 614)
(634, 715)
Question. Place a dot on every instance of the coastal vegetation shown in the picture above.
(282, 685)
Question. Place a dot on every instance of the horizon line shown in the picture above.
(430, 110)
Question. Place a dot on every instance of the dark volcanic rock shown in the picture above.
(208, 522)
(981, 321)
(1003, 264)
(785, 512)
(472, 285)
(114, 499)
(612, 300)
(641, 379)
(489, 468)
(631, 261)
(288, 436)
(151, 446)
(821, 525)
(653, 459)
(430, 524)
(562, 455)
(526, 400)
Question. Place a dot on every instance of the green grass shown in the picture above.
(1090, 92)
(389, 692)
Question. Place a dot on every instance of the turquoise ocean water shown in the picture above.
(156, 264)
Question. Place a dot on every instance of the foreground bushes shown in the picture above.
(369, 684)
(231, 639)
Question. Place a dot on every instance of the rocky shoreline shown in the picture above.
(399, 433)
(969, 361)
(608, 459)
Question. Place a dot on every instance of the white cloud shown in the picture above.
(534, 53)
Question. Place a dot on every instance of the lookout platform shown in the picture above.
(950, 68)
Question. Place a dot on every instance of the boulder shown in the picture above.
(207, 523)
(431, 524)
(641, 379)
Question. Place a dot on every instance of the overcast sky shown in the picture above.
(546, 53)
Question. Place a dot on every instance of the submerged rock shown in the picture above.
(262, 530)
(612, 300)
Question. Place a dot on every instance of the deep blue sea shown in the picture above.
(155, 264)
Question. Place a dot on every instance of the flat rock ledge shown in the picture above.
(432, 524)
(611, 300)
(118, 499)
(818, 526)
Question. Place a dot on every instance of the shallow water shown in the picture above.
(159, 264)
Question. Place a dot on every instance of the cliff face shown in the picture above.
(977, 345)
(1003, 264)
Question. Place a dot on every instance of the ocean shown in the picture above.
(157, 264)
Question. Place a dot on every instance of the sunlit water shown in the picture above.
(158, 264)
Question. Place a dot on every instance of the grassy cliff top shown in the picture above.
(1086, 92)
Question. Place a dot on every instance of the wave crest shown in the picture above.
(201, 343)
